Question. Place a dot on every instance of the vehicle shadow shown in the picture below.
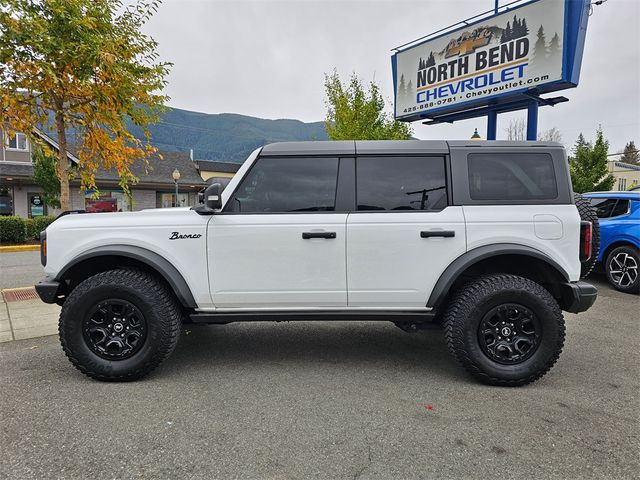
(372, 346)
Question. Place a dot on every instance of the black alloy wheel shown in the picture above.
(119, 325)
(115, 329)
(509, 334)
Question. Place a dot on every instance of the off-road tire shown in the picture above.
(469, 306)
(158, 305)
(632, 261)
(588, 213)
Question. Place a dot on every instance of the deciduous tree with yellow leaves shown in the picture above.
(82, 66)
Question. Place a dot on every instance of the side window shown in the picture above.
(621, 208)
(603, 206)
(288, 184)
(510, 176)
(400, 183)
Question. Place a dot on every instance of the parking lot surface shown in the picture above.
(20, 269)
(328, 400)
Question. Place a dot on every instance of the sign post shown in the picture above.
(496, 62)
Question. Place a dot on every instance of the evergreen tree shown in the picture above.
(506, 34)
(540, 48)
(524, 28)
(554, 46)
(630, 154)
(402, 88)
(588, 167)
(410, 91)
(431, 61)
(581, 142)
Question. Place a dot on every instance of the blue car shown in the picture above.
(619, 215)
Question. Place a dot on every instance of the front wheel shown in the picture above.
(622, 267)
(504, 329)
(119, 325)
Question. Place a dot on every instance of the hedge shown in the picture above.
(19, 230)
(12, 229)
(40, 224)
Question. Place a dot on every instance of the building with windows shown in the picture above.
(19, 194)
(627, 175)
(217, 172)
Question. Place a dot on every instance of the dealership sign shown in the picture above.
(534, 47)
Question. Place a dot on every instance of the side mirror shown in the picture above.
(213, 196)
(212, 200)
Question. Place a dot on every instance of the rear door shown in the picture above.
(279, 243)
(403, 233)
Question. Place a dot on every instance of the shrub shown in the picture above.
(40, 224)
(30, 228)
(12, 229)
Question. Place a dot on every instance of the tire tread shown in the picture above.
(146, 284)
(463, 303)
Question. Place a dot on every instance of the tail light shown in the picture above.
(43, 248)
(586, 231)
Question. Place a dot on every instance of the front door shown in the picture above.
(403, 234)
(279, 242)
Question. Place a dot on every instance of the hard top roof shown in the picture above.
(382, 147)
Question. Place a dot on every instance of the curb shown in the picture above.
(19, 248)
(23, 315)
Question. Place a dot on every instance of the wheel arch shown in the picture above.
(100, 259)
(615, 244)
(499, 258)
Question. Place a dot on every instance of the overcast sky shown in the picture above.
(268, 59)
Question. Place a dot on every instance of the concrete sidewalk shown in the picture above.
(23, 315)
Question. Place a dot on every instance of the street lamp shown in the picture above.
(476, 135)
(176, 177)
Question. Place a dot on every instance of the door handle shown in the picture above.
(437, 233)
(308, 235)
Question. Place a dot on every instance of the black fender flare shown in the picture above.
(158, 263)
(466, 260)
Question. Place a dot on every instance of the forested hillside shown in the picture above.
(225, 136)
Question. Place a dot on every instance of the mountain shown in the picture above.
(224, 136)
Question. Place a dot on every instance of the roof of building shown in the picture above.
(159, 172)
(218, 166)
(627, 166)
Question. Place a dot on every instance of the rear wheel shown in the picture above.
(119, 325)
(622, 267)
(504, 329)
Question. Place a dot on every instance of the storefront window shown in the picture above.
(37, 207)
(6, 201)
(114, 201)
(168, 200)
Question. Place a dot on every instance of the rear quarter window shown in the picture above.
(511, 176)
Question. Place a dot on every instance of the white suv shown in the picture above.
(482, 238)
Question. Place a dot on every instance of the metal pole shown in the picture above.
(176, 192)
(532, 121)
(492, 125)
(497, 2)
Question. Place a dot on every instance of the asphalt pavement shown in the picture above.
(328, 400)
(20, 269)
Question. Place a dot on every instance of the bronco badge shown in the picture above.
(177, 236)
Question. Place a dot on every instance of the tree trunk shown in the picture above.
(63, 162)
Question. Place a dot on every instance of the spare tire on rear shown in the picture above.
(588, 213)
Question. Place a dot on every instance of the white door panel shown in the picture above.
(390, 264)
(262, 261)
